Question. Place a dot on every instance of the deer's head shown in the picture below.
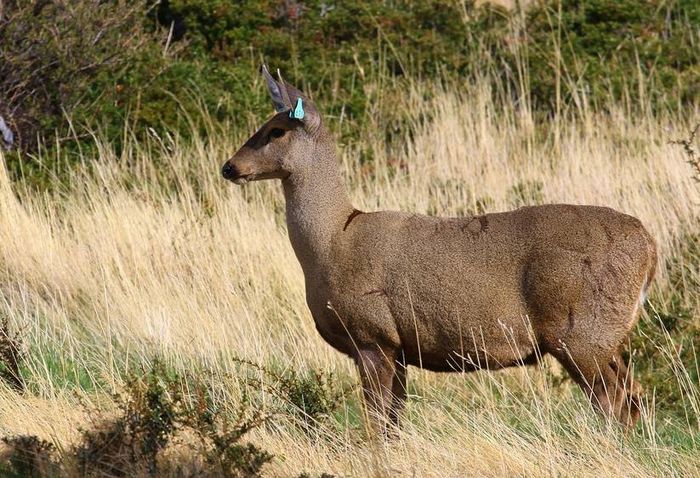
(283, 144)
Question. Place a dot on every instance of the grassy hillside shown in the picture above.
(152, 315)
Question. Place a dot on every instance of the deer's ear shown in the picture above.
(303, 109)
(285, 97)
(278, 93)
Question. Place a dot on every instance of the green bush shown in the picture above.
(311, 397)
(166, 67)
(53, 54)
(55, 63)
(619, 50)
(152, 411)
(68, 69)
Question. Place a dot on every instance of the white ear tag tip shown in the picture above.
(298, 111)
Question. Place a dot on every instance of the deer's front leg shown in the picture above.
(377, 369)
(398, 390)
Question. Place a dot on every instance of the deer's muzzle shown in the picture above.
(231, 172)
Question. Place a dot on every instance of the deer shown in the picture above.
(391, 289)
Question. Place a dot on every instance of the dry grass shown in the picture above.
(118, 269)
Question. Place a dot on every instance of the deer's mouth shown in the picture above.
(242, 179)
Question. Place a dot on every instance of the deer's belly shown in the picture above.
(443, 329)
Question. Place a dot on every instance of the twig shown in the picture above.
(691, 152)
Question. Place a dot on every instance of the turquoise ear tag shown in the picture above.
(298, 111)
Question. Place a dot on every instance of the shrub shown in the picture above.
(149, 411)
(311, 397)
(29, 456)
(152, 411)
(72, 69)
(54, 53)
(220, 437)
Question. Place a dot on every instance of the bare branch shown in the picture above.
(691, 152)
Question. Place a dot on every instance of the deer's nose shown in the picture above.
(228, 171)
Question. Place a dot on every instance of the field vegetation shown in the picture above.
(152, 315)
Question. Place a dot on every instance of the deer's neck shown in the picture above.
(317, 208)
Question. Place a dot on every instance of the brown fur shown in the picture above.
(392, 289)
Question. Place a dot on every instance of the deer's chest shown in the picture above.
(330, 325)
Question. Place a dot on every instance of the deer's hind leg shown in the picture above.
(629, 406)
(605, 379)
(585, 327)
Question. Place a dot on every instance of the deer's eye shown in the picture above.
(276, 133)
